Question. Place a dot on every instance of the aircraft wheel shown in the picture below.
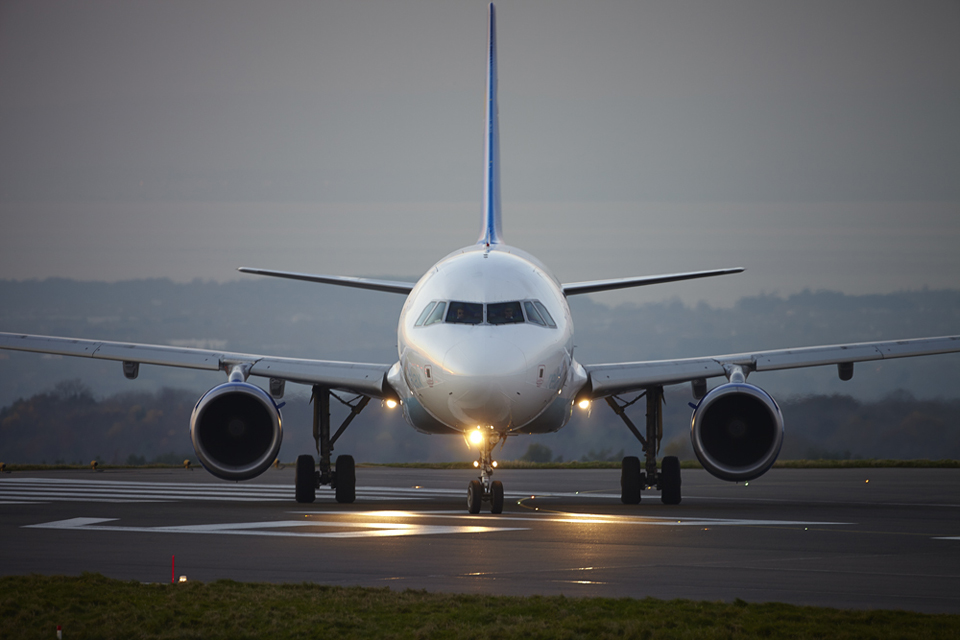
(346, 479)
(306, 479)
(630, 484)
(474, 496)
(496, 497)
(670, 480)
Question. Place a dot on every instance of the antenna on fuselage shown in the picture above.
(491, 232)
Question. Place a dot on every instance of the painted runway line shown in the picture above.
(40, 490)
(22, 490)
(390, 523)
(593, 519)
(281, 528)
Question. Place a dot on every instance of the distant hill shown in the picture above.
(285, 318)
(268, 315)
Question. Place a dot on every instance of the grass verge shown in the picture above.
(92, 606)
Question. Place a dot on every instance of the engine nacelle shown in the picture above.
(737, 431)
(236, 431)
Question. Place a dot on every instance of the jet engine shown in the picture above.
(737, 431)
(236, 431)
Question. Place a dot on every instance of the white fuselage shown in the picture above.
(486, 340)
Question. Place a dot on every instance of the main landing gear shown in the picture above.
(633, 477)
(484, 489)
(342, 477)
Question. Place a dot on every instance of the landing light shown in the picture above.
(391, 403)
(476, 436)
(584, 404)
(494, 463)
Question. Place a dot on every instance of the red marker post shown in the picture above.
(173, 569)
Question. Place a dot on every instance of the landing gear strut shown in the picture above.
(342, 477)
(484, 489)
(633, 477)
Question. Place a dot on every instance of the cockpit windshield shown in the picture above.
(495, 313)
(436, 315)
(504, 313)
(465, 313)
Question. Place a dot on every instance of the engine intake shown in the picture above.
(236, 431)
(737, 431)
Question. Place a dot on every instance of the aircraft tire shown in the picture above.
(630, 484)
(346, 489)
(670, 480)
(474, 496)
(306, 483)
(496, 497)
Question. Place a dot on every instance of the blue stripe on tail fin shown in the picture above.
(491, 232)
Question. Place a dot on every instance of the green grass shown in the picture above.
(92, 606)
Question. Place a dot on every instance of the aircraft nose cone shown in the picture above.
(483, 371)
(484, 358)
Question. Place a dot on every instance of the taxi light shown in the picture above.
(476, 436)
(391, 403)
(584, 404)
(476, 464)
(494, 463)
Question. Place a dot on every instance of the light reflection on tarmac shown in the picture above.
(824, 537)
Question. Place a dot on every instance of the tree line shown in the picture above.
(69, 424)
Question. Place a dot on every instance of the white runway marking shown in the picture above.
(381, 524)
(590, 518)
(34, 490)
(350, 529)
(41, 490)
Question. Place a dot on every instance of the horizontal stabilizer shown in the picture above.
(622, 283)
(390, 286)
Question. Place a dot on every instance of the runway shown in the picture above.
(870, 538)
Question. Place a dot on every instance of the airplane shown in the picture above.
(485, 351)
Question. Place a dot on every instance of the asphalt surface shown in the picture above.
(871, 538)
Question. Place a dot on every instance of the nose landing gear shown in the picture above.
(484, 489)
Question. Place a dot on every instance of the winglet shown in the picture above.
(491, 232)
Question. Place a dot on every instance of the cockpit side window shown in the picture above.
(533, 315)
(546, 314)
(465, 313)
(436, 315)
(504, 313)
(424, 314)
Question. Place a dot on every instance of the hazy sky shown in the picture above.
(817, 144)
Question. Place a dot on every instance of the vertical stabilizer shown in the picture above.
(491, 232)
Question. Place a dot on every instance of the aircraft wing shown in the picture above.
(610, 379)
(390, 286)
(366, 379)
(593, 286)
